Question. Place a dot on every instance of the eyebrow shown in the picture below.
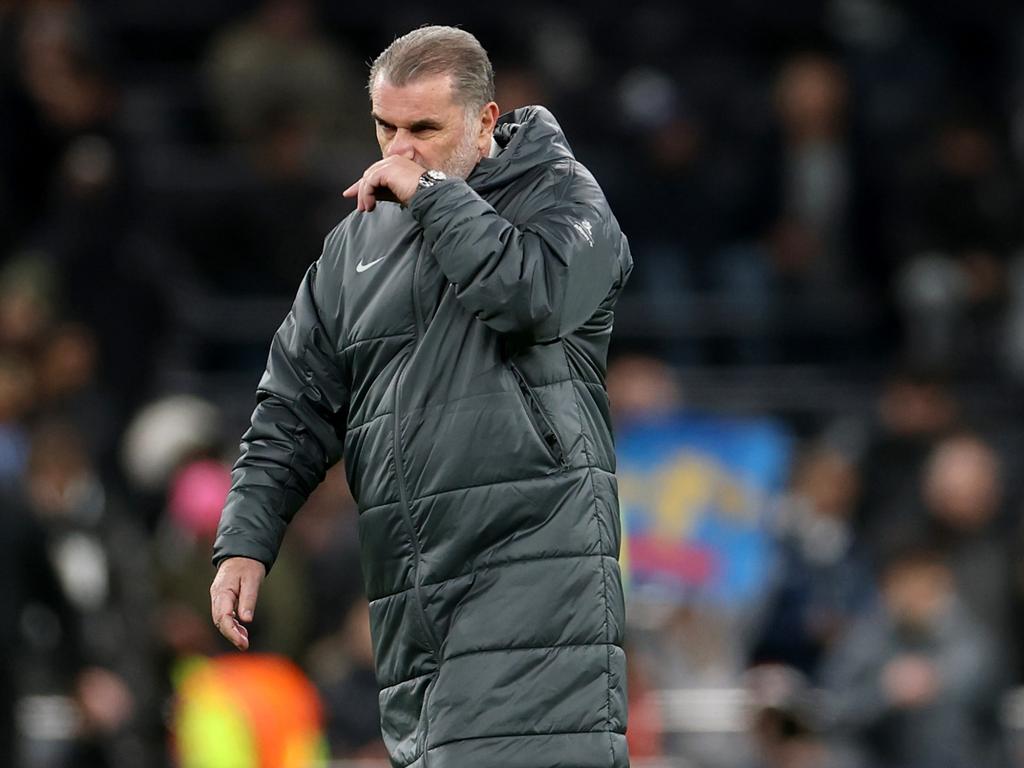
(427, 124)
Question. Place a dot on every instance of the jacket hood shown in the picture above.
(528, 136)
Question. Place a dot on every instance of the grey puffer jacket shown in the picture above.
(453, 352)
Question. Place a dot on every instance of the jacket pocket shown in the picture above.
(538, 418)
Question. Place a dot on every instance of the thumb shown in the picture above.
(248, 592)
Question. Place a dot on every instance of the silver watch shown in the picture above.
(430, 178)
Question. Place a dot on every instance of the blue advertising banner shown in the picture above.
(695, 494)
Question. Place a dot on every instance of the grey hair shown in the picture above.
(438, 50)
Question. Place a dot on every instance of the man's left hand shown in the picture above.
(398, 174)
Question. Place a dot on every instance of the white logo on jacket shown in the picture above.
(360, 267)
(584, 228)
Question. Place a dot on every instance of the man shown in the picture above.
(914, 684)
(451, 347)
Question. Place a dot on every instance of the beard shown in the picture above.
(461, 162)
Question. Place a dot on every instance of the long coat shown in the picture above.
(453, 352)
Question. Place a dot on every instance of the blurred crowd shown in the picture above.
(833, 185)
(889, 632)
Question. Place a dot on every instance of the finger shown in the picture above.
(235, 633)
(366, 200)
(352, 191)
(226, 621)
(247, 598)
(372, 179)
(224, 602)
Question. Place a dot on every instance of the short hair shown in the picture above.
(438, 50)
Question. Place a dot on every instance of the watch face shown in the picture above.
(431, 177)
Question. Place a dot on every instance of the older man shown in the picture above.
(450, 344)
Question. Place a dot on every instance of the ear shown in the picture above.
(488, 118)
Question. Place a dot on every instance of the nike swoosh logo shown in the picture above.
(360, 267)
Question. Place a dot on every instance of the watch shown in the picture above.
(430, 178)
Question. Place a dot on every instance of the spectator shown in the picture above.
(822, 580)
(97, 646)
(786, 722)
(348, 687)
(962, 228)
(278, 57)
(913, 684)
(16, 398)
(913, 412)
(962, 489)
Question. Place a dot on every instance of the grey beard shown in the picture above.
(463, 160)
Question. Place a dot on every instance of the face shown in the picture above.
(422, 122)
(962, 484)
(916, 594)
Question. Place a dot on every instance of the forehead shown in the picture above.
(427, 97)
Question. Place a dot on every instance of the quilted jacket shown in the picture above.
(453, 352)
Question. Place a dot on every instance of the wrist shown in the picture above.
(430, 178)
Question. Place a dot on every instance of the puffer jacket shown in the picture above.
(453, 353)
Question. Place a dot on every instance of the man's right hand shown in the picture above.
(233, 597)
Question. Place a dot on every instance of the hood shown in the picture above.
(528, 136)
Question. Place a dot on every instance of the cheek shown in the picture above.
(431, 154)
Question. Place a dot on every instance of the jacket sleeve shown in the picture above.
(296, 432)
(543, 278)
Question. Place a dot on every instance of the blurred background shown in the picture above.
(816, 374)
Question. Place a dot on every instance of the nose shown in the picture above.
(401, 145)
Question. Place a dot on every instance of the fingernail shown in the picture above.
(246, 615)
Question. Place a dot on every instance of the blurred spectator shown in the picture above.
(915, 409)
(55, 92)
(65, 165)
(28, 601)
(343, 670)
(913, 684)
(68, 386)
(27, 297)
(642, 388)
(962, 489)
(325, 538)
(823, 580)
(273, 206)
(163, 435)
(795, 249)
(787, 723)
(16, 400)
(963, 224)
(278, 59)
(810, 242)
(195, 497)
(92, 639)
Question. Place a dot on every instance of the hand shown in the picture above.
(233, 597)
(398, 175)
(910, 681)
(105, 699)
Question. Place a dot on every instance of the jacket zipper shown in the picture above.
(541, 424)
(403, 496)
